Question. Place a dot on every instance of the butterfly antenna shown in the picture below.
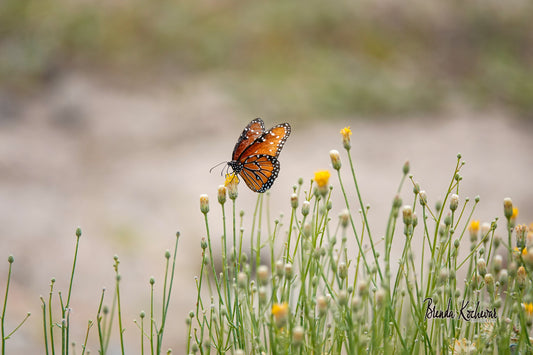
(224, 162)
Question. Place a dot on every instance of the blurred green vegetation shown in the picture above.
(291, 57)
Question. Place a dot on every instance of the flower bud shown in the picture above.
(305, 208)
(294, 201)
(497, 263)
(298, 334)
(343, 270)
(344, 217)
(521, 277)
(322, 304)
(262, 274)
(407, 215)
(346, 132)
(380, 297)
(204, 203)
(423, 198)
(221, 194)
(454, 202)
(482, 266)
(406, 168)
(342, 298)
(508, 207)
(335, 159)
(489, 281)
(288, 270)
(242, 280)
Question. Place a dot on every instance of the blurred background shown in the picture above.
(112, 113)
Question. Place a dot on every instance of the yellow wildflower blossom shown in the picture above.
(231, 183)
(346, 132)
(280, 311)
(474, 226)
(515, 213)
(322, 178)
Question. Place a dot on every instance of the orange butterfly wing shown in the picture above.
(250, 133)
(270, 142)
(259, 172)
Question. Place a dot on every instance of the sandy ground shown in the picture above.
(128, 166)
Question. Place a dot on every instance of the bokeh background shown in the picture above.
(112, 113)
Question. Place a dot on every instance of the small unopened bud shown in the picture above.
(406, 168)
(305, 208)
(279, 268)
(298, 334)
(497, 263)
(335, 159)
(307, 229)
(503, 277)
(344, 217)
(356, 303)
(294, 201)
(521, 231)
(262, 274)
(11, 259)
(443, 275)
(415, 219)
(288, 270)
(380, 297)
(454, 202)
(416, 188)
(343, 270)
(489, 281)
(342, 298)
(203, 243)
(508, 208)
(204, 203)
(222, 194)
(423, 198)
(407, 215)
(438, 206)
(242, 280)
(482, 266)
(322, 304)
(78, 232)
(363, 288)
(521, 276)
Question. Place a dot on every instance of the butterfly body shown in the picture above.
(255, 156)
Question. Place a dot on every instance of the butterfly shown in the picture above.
(255, 156)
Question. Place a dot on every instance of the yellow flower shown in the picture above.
(231, 183)
(322, 178)
(280, 311)
(346, 132)
(231, 179)
(528, 307)
(474, 227)
(463, 346)
(515, 213)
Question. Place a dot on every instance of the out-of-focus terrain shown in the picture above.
(112, 114)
